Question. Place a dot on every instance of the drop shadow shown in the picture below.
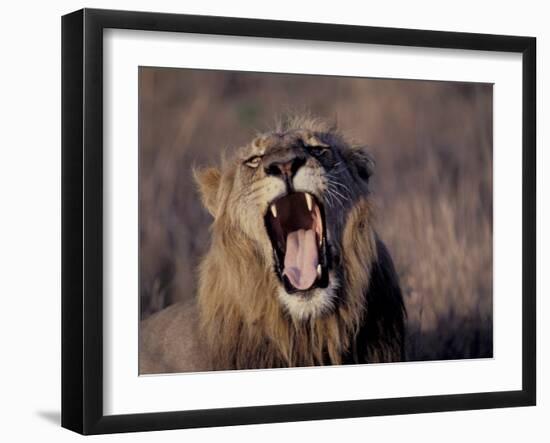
(54, 417)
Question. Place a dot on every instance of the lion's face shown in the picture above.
(288, 195)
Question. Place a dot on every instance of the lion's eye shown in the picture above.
(253, 162)
(318, 150)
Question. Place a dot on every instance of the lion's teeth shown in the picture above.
(319, 270)
(274, 211)
(309, 202)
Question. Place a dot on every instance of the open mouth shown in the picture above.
(295, 224)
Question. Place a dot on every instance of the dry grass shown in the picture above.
(432, 142)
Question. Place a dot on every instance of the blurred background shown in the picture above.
(432, 187)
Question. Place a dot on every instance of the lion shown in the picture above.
(295, 274)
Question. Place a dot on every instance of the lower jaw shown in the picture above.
(309, 305)
(321, 283)
(291, 290)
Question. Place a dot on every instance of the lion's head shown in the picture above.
(292, 247)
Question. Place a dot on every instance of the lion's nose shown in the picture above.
(285, 170)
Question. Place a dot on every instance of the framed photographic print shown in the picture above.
(269, 221)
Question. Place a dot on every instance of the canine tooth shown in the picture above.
(309, 202)
(274, 210)
(319, 270)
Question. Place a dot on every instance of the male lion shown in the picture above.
(295, 274)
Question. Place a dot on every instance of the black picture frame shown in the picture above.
(82, 220)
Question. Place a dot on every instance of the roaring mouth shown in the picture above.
(296, 227)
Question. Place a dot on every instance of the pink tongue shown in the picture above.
(301, 258)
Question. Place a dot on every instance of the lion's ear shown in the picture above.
(362, 161)
(208, 180)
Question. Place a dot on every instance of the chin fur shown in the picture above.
(313, 305)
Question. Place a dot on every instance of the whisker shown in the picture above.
(341, 186)
(334, 200)
(329, 197)
(340, 194)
